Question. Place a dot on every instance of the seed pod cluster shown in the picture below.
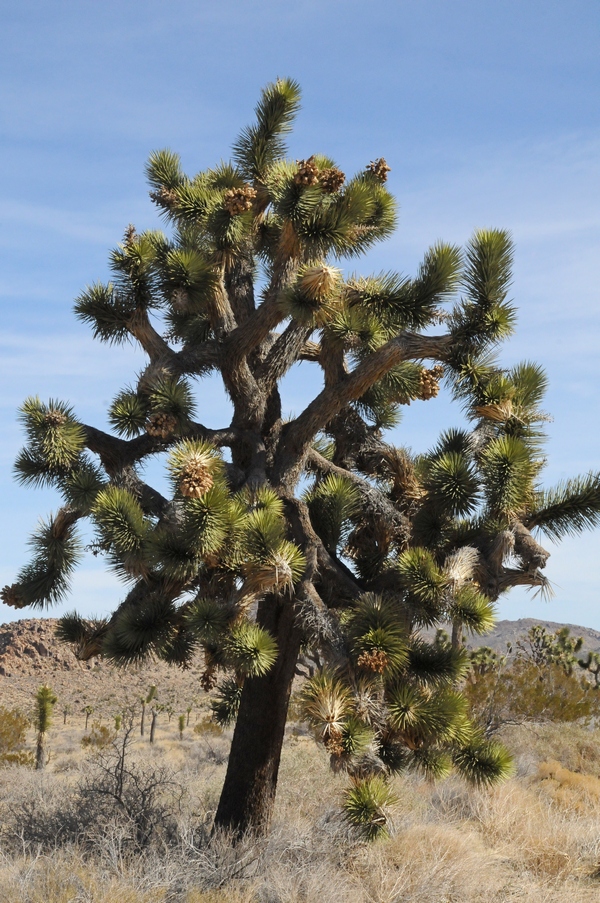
(331, 180)
(11, 596)
(239, 200)
(164, 197)
(55, 419)
(130, 235)
(161, 425)
(308, 172)
(375, 660)
(379, 168)
(196, 478)
(333, 744)
(429, 385)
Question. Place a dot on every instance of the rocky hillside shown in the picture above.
(30, 655)
(509, 631)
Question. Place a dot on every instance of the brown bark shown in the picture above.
(248, 794)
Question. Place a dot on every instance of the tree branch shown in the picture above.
(301, 431)
(153, 344)
(373, 499)
(284, 353)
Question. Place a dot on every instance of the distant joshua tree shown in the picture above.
(45, 700)
(146, 700)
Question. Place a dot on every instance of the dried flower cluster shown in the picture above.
(379, 168)
(161, 425)
(429, 385)
(239, 200)
(375, 660)
(55, 418)
(196, 478)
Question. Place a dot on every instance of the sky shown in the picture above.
(487, 112)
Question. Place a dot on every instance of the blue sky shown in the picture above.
(488, 113)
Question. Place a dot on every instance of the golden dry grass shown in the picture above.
(535, 839)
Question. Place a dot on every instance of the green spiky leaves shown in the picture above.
(332, 503)
(56, 551)
(424, 582)
(483, 762)
(366, 806)
(250, 649)
(55, 441)
(226, 704)
(262, 144)
(122, 527)
(378, 641)
(485, 317)
(567, 510)
(452, 484)
(508, 472)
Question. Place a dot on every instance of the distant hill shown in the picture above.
(30, 655)
(508, 631)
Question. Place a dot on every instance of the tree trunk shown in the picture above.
(40, 751)
(457, 635)
(248, 793)
(153, 725)
(143, 719)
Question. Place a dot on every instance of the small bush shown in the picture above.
(99, 737)
(13, 730)
(524, 691)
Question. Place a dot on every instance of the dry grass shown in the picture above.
(534, 840)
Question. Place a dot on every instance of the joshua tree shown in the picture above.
(146, 700)
(88, 710)
(181, 725)
(45, 700)
(240, 559)
(154, 714)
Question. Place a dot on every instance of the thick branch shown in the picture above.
(339, 583)
(249, 335)
(372, 498)
(115, 453)
(300, 433)
(284, 353)
(153, 344)
(198, 359)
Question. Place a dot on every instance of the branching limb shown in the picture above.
(153, 344)
(300, 433)
(116, 454)
(372, 498)
(284, 353)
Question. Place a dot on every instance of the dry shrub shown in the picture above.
(65, 877)
(430, 864)
(535, 834)
(13, 730)
(99, 737)
(577, 747)
(570, 789)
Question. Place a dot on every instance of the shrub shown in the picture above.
(525, 691)
(13, 729)
(99, 737)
